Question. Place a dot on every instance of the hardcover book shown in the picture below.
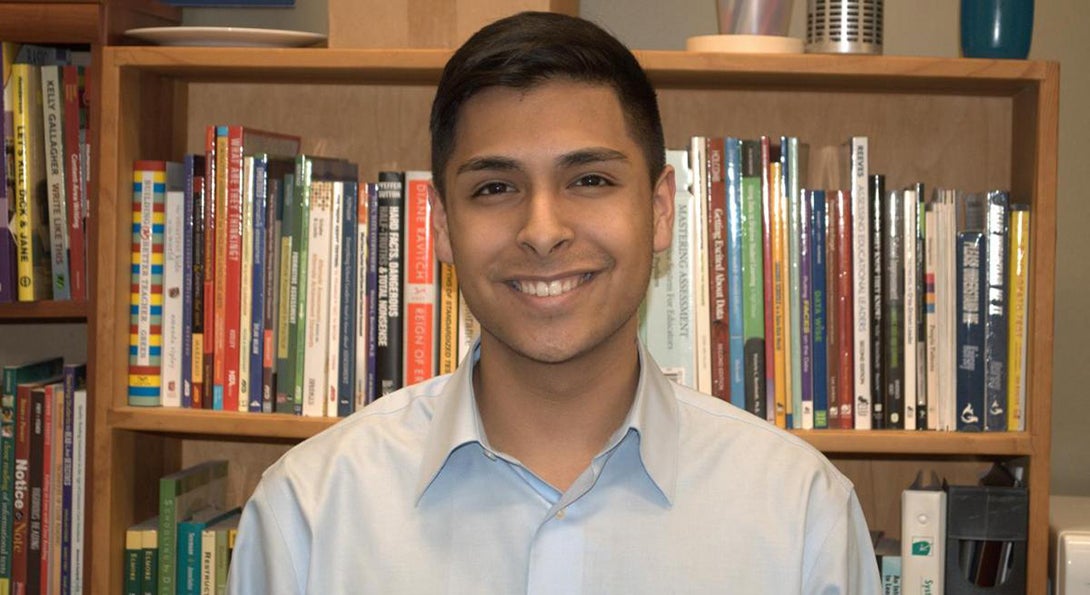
(180, 495)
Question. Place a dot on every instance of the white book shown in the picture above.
(363, 302)
(248, 398)
(317, 301)
(170, 382)
(861, 279)
(792, 188)
(699, 277)
(931, 317)
(923, 536)
(53, 127)
(946, 304)
(911, 304)
(208, 562)
(333, 352)
(79, 485)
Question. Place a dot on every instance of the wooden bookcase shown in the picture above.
(969, 124)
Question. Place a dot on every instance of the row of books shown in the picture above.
(186, 548)
(851, 308)
(45, 173)
(43, 453)
(268, 281)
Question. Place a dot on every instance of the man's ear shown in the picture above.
(439, 227)
(663, 210)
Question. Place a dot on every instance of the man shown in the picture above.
(558, 458)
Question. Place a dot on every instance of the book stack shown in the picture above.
(854, 307)
(43, 447)
(44, 176)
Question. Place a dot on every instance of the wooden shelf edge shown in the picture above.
(49, 22)
(46, 310)
(272, 426)
(908, 442)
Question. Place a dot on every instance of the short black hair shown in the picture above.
(530, 48)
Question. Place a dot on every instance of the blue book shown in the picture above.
(733, 161)
(259, 273)
(805, 387)
(970, 307)
(188, 581)
(346, 371)
(995, 315)
(819, 306)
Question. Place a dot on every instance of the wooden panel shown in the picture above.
(52, 22)
(227, 424)
(43, 311)
(246, 461)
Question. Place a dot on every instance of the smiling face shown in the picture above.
(550, 220)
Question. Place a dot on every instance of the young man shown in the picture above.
(558, 458)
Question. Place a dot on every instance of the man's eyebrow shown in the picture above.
(488, 163)
(590, 155)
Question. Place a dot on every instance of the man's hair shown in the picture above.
(530, 48)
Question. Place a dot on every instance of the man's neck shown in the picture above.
(554, 418)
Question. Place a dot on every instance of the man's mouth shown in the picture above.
(550, 288)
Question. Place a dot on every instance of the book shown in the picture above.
(346, 281)
(53, 150)
(180, 495)
(421, 275)
(79, 485)
(133, 574)
(805, 243)
(911, 308)
(151, 182)
(793, 170)
(214, 554)
(248, 399)
(780, 334)
(389, 346)
(923, 537)
(1018, 340)
(753, 303)
(366, 292)
(75, 99)
(196, 208)
(717, 281)
(318, 280)
(7, 240)
(190, 538)
(448, 318)
(996, 300)
(931, 336)
(149, 550)
(286, 337)
(733, 166)
(75, 379)
(173, 323)
(768, 243)
(971, 292)
(832, 308)
(702, 328)
(212, 213)
(922, 394)
(876, 196)
(31, 221)
(893, 370)
(861, 298)
(819, 304)
(845, 311)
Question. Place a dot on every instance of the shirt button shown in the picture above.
(491, 455)
(560, 514)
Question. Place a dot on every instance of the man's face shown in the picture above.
(550, 218)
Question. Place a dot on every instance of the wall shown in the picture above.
(918, 28)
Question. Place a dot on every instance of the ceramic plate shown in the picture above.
(225, 36)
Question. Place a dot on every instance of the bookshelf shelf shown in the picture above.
(22, 312)
(951, 122)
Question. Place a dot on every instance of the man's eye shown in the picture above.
(492, 188)
(593, 180)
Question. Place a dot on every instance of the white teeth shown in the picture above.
(550, 288)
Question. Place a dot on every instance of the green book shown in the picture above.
(134, 556)
(180, 495)
(753, 313)
(190, 535)
(13, 376)
(149, 548)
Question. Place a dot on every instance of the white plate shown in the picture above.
(225, 36)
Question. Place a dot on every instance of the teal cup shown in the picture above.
(996, 28)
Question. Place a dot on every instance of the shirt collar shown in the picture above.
(654, 417)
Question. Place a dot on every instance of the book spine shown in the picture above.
(997, 234)
(893, 251)
(132, 583)
(150, 563)
(208, 562)
(388, 359)
(7, 242)
(36, 465)
(448, 318)
(246, 286)
(911, 311)
(468, 328)
(221, 282)
(716, 246)
(733, 168)
(946, 291)
(805, 386)
(371, 388)
(420, 295)
(845, 311)
(289, 290)
(53, 151)
(352, 292)
(819, 304)
(74, 379)
(876, 196)
(20, 545)
(170, 384)
(700, 272)
(77, 247)
(32, 257)
(194, 180)
(971, 288)
(334, 293)
(187, 284)
(1019, 308)
(79, 483)
(780, 351)
(50, 466)
(753, 303)
(861, 279)
(364, 299)
(260, 290)
(790, 160)
(922, 393)
(232, 242)
(212, 213)
(303, 169)
(146, 305)
(274, 216)
(319, 244)
(931, 316)
(832, 307)
(168, 536)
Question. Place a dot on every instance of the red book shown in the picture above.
(844, 315)
(421, 292)
(73, 177)
(717, 268)
(21, 527)
(832, 339)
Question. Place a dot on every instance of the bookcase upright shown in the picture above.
(970, 124)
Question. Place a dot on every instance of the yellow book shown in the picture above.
(448, 318)
(779, 296)
(1016, 332)
(30, 225)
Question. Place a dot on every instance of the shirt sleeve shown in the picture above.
(844, 564)
(268, 546)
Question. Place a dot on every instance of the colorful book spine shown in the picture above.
(187, 289)
(365, 276)
(911, 308)
(37, 464)
(922, 392)
(861, 279)
(805, 386)
(225, 322)
(819, 306)
(52, 123)
(753, 303)
(448, 318)
(351, 293)
(7, 241)
(146, 301)
(316, 337)
(212, 214)
(781, 351)
(301, 247)
(72, 77)
(371, 387)
(20, 544)
(845, 311)
(876, 196)
(733, 166)
(832, 307)
(79, 484)
(790, 157)
(971, 292)
(288, 288)
(931, 332)
(75, 378)
(893, 331)
(768, 205)
(173, 323)
(335, 295)
(997, 237)
(421, 298)
(180, 495)
(389, 355)
(33, 266)
(195, 218)
(702, 328)
(716, 246)
(248, 399)
(261, 291)
(1017, 350)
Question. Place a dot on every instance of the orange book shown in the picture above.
(779, 288)
(421, 277)
(844, 316)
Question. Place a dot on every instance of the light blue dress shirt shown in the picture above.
(690, 495)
